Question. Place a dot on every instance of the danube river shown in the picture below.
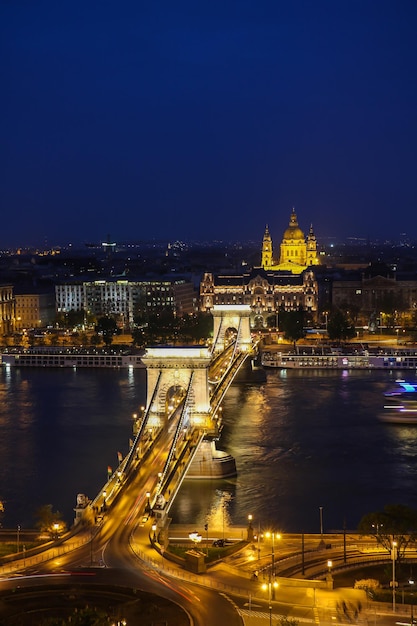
(301, 440)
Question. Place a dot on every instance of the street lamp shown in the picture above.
(104, 500)
(148, 503)
(273, 536)
(250, 528)
(270, 586)
(56, 528)
(394, 558)
(321, 521)
(411, 583)
(18, 538)
(154, 532)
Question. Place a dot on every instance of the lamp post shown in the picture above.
(411, 583)
(104, 500)
(377, 527)
(270, 587)
(148, 502)
(273, 536)
(18, 538)
(154, 532)
(321, 521)
(250, 528)
(394, 558)
(259, 540)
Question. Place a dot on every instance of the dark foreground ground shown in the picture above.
(37, 606)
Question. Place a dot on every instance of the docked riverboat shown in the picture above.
(70, 357)
(400, 405)
(336, 360)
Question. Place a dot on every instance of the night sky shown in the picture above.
(207, 120)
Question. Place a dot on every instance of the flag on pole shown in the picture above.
(120, 457)
(109, 470)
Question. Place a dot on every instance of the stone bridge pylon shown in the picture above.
(174, 372)
(231, 323)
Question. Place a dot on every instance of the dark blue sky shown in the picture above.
(204, 120)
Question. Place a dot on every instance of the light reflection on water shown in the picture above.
(300, 440)
(305, 440)
(60, 429)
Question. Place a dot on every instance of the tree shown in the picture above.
(87, 616)
(339, 327)
(49, 521)
(196, 327)
(107, 327)
(292, 325)
(396, 522)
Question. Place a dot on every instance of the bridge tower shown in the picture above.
(173, 368)
(231, 321)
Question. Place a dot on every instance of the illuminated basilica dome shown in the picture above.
(296, 252)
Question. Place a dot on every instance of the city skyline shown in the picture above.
(203, 122)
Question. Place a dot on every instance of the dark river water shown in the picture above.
(301, 440)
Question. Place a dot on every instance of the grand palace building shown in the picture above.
(286, 283)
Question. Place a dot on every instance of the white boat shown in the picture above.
(401, 404)
(69, 357)
(336, 360)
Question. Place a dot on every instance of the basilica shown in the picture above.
(289, 283)
(296, 252)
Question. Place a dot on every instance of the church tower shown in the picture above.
(267, 258)
(312, 258)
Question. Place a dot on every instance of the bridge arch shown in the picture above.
(228, 317)
(182, 368)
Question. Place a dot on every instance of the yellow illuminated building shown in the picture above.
(296, 252)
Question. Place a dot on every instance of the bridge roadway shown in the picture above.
(177, 442)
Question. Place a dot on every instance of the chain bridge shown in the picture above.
(176, 432)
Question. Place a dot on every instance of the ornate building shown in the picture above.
(266, 292)
(288, 285)
(296, 252)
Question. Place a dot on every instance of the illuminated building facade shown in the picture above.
(34, 310)
(7, 309)
(265, 292)
(297, 253)
(124, 298)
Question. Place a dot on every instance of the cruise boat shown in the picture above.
(400, 404)
(336, 360)
(70, 357)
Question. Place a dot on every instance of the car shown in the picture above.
(143, 520)
(218, 543)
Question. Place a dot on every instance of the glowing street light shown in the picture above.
(270, 587)
(273, 536)
(394, 583)
(250, 528)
